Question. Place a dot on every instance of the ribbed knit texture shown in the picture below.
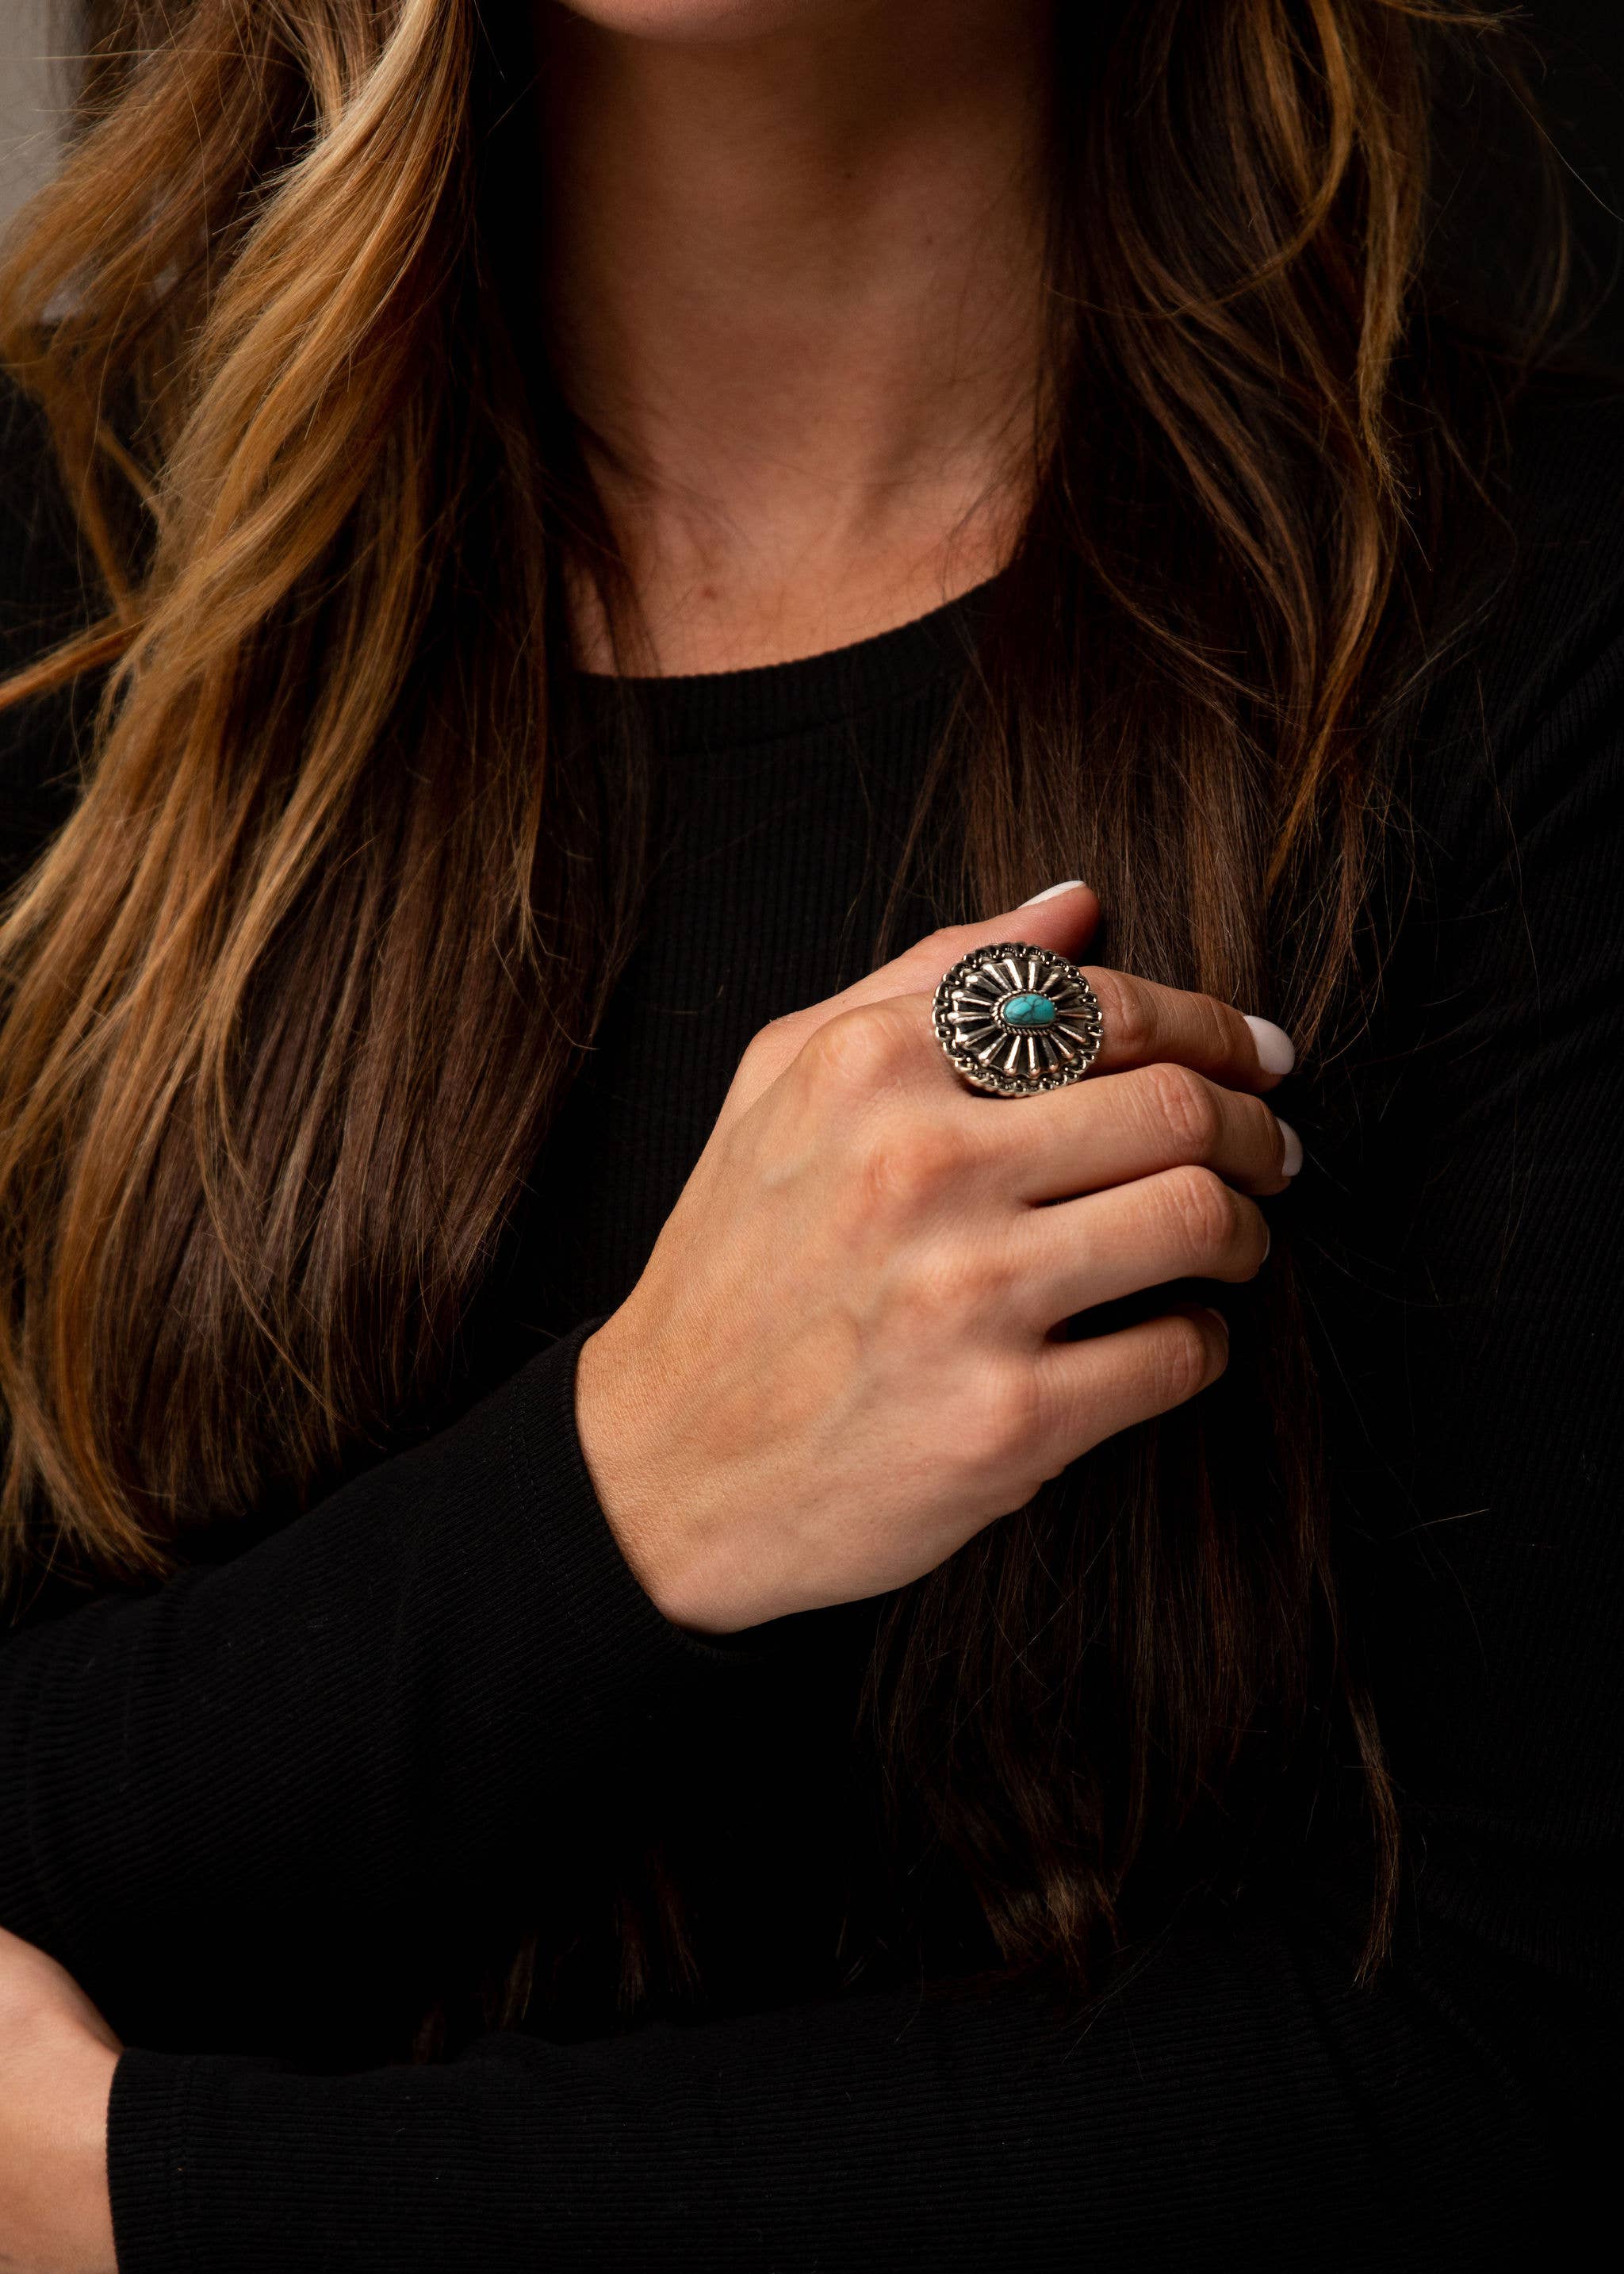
(269, 1810)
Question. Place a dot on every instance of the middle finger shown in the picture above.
(1108, 1130)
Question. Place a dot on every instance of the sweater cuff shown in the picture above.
(146, 2163)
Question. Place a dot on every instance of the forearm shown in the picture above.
(377, 1717)
(1238, 2100)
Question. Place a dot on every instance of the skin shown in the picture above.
(57, 2061)
(793, 265)
(790, 261)
(837, 1365)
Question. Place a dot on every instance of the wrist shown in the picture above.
(604, 1398)
(618, 1439)
(63, 2212)
(87, 2230)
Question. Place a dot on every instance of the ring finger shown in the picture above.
(1181, 1223)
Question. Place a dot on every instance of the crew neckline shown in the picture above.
(771, 702)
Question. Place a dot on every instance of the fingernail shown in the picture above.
(1053, 892)
(1293, 1160)
(1222, 1322)
(1276, 1053)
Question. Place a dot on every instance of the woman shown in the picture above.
(646, 1632)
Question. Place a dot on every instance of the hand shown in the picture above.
(837, 1365)
(57, 2061)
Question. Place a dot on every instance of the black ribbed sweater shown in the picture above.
(268, 1811)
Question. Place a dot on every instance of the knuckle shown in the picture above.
(983, 1275)
(1264, 1132)
(937, 951)
(775, 1044)
(859, 1050)
(1207, 1212)
(1126, 1009)
(789, 1026)
(1252, 1236)
(1004, 1423)
(1187, 1107)
(950, 1289)
(1214, 1024)
(950, 942)
(906, 1165)
(1181, 1362)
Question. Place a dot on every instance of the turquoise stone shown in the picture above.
(1024, 1011)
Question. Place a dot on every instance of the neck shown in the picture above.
(794, 291)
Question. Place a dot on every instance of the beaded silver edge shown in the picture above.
(997, 1059)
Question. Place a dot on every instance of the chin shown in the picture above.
(700, 20)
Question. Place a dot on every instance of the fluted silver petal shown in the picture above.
(967, 1018)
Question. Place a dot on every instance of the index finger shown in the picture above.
(1143, 1022)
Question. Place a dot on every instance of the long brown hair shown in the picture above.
(289, 1000)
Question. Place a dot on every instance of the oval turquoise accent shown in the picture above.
(1028, 1010)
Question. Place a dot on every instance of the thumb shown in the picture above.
(1064, 918)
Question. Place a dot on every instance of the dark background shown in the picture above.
(1581, 86)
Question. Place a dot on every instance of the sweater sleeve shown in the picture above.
(383, 1708)
(1235, 2103)
(1233, 2099)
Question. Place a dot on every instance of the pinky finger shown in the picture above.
(1108, 1383)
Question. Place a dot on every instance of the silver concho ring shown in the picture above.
(1016, 1020)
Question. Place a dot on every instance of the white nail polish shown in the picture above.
(1293, 1160)
(1053, 892)
(1276, 1053)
